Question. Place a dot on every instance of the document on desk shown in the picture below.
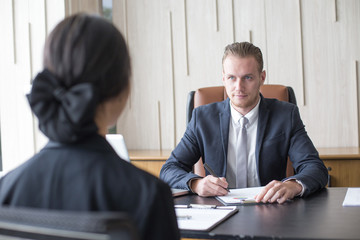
(352, 197)
(240, 196)
(202, 218)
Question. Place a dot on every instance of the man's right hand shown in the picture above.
(209, 186)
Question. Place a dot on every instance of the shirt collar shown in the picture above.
(251, 116)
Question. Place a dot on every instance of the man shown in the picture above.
(246, 139)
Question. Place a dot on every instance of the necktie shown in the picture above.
(241, 155)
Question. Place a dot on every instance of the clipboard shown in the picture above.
(202, 217)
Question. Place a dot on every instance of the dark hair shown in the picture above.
(86, 62)
(88, 49)
(244, 49)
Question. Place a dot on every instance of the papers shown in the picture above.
(202, 218)
(352, 197)
(240, 196)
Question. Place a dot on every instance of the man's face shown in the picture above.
(242, 81)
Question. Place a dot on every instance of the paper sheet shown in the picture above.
(240, 196)
(352, 197)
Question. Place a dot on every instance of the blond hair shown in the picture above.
(244, 49)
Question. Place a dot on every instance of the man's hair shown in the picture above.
(244, 49)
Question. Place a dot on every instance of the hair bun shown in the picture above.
(65, 115)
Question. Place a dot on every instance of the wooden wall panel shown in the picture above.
(24, 25)
(21, 117)
(37, 35)
(149, 40)
(284, 45)
(329, 50)
(250, 26)
(303, 46)
(7, 59)
(119, 16)
(88, 6)
(181, 64)
(55, 10)
(204, 53)
(17, 124)
(177, 46)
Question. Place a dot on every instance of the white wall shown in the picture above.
(24, 27)
(176, 46)
(23, 33)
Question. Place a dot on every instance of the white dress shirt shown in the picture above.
(251, 129)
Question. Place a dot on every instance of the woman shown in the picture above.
(81, 92)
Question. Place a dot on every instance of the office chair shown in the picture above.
(30, 223)
(208, 95)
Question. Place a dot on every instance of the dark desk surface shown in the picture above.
(320, 216)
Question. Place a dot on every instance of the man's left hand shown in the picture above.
(277, 191)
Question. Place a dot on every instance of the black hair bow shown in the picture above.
(65, 115)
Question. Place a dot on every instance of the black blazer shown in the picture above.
(280, 134)
(89, 176)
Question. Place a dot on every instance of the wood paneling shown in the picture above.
(55, 10)
(344, 173)
(24, 27)
(283, 29)
(152, 167)
(331, 92)
(16, 119)
(89, 6)
(303, 47)
(119, 16)
(149, 160)
(343, 165)
(309, 45)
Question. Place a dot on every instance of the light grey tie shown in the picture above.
(241, 155)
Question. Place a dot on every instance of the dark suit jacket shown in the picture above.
(90, 176)
(280, 134)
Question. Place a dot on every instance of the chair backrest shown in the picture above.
(28, 223)
(208, 95)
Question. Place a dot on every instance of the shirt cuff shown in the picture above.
(302, 186)
(189, 184)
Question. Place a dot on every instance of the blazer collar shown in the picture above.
(224, 117)
(92, 142)
(262, 124)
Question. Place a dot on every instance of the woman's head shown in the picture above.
(85, 48)
(87, 65)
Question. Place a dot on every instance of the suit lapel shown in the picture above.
(224, 117)
(262, 124)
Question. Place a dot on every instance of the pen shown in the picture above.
(207, 167)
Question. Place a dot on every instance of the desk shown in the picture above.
(343, 165)
(149, 160)
(320, 216)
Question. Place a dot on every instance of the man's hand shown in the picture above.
(277, 191)
(209, 186)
